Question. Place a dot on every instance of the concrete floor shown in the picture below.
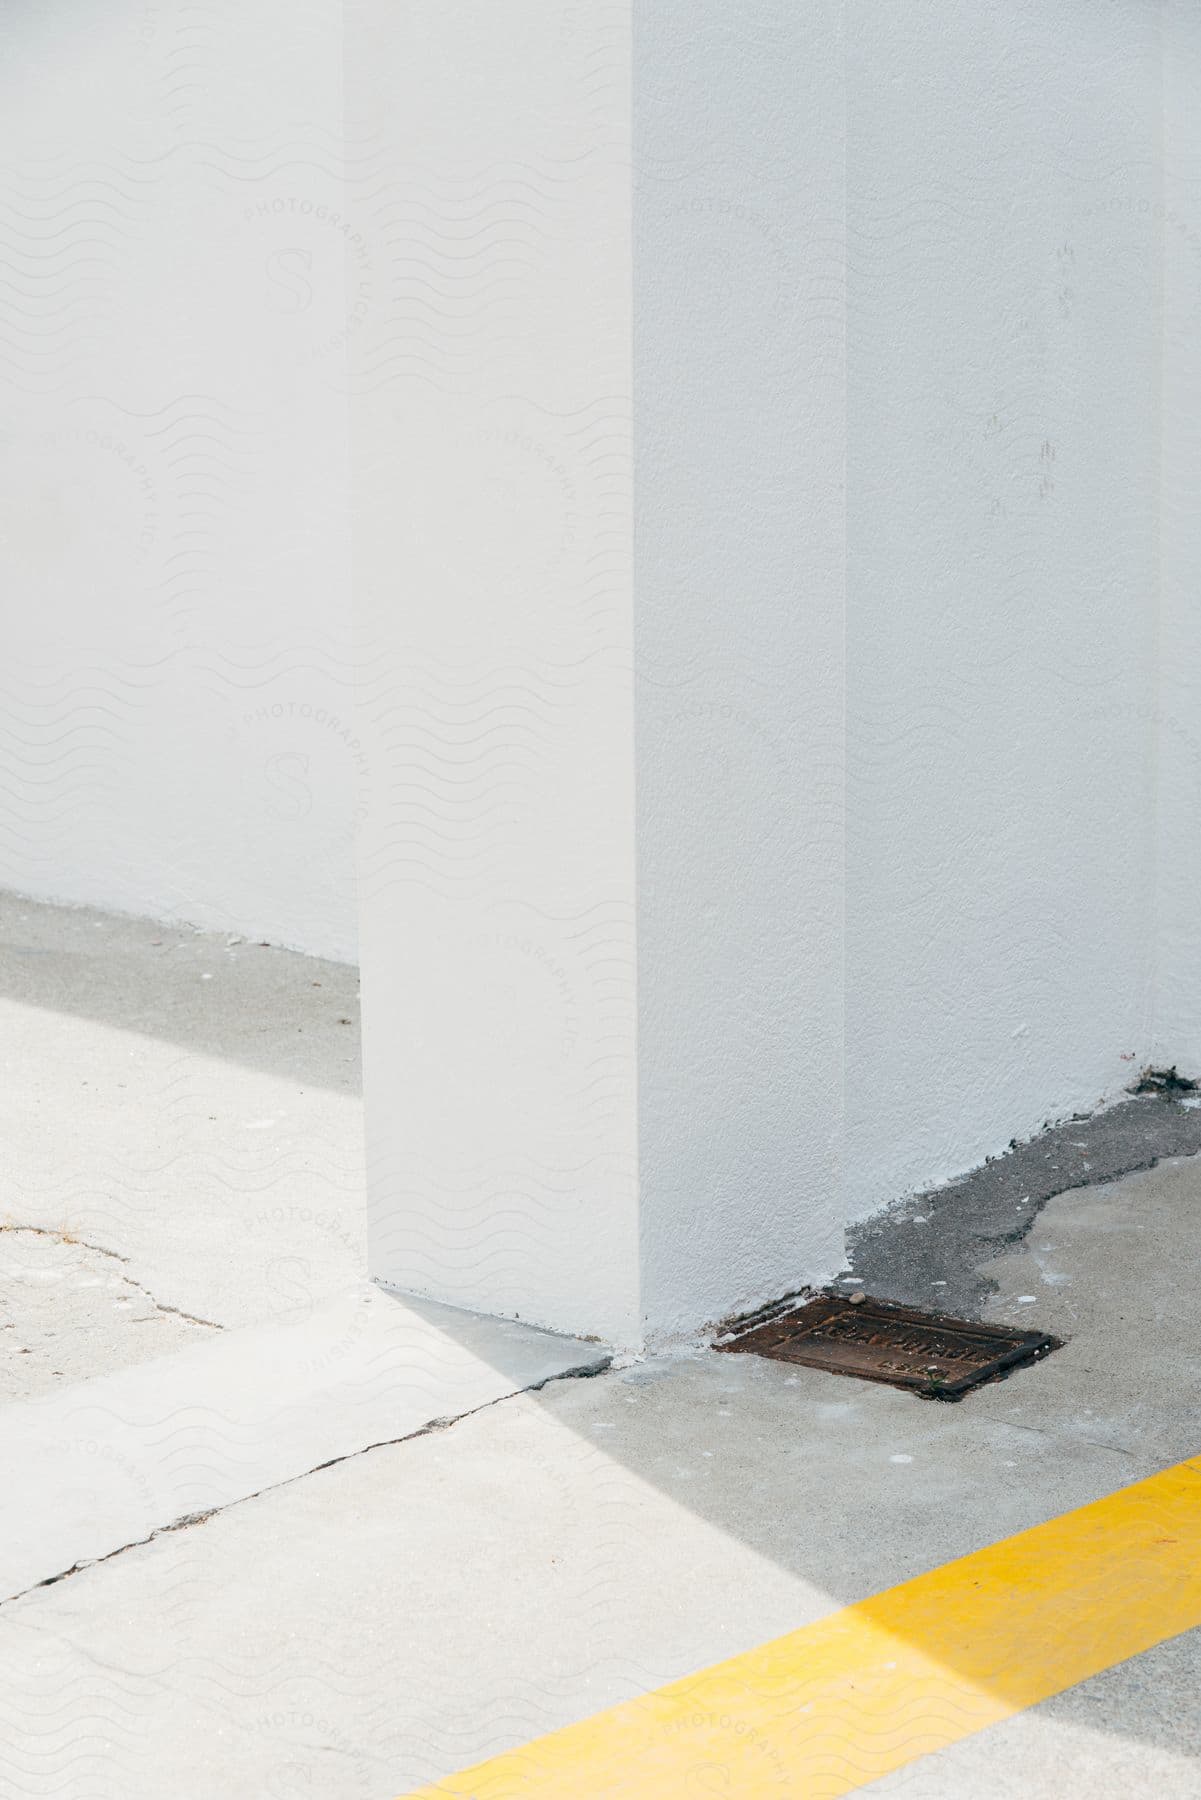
(68, 1311)
(186, 1102)
(418, 1606)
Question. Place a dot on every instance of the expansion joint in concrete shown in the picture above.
(585, 1371)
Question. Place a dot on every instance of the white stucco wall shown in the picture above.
(173, 546)
(776, 740)
(1176, 212)
(1003, 462)
(739, 585)
(899, 294)
(491, 455)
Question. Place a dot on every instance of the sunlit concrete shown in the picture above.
(106, 1463)
(188, 1105)
(416, 1608)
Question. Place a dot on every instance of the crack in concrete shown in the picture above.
(63, 1640)
(927, 1250)
(68, 1239)
(1093, 1443)
(585, 1372)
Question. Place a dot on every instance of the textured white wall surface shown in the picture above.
(1005, 250)
(900, 302)
(739, 407)
(491, 454)
(1176, 712)
(773, 440)
(174, 300)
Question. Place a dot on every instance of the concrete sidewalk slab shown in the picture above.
(405, 1613)
(181, 1124)
(110, 1462)
(184, 1105)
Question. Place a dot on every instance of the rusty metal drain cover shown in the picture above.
(936, 1357)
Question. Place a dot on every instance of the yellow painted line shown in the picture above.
(837, 1704)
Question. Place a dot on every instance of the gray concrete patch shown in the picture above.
(927, 1250)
